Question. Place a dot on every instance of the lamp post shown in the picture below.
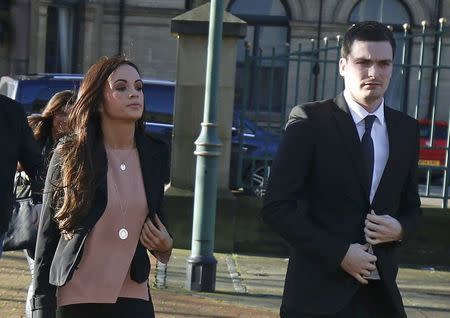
(201, 264)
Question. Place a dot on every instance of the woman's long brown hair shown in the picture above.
(41, 124)
(83, 157)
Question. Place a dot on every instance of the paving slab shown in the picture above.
(246, 286)
(426, 292)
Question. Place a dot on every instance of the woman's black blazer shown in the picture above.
(56, 258)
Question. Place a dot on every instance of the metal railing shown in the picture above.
(272, 84)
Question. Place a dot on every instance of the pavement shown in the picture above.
(246, 286)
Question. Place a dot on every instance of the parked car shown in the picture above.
(259, 145)
(434, 156)
(34, 91)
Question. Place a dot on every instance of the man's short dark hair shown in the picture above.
(371, 31)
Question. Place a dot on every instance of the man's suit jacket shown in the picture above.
(318, 198)
(16, 144)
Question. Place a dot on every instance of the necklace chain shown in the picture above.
(122, 210)
(123, 232)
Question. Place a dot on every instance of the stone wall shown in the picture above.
(240, 229)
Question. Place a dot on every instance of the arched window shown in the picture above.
(386, 11)
(395, 14)
(263, 8)
(268, 29)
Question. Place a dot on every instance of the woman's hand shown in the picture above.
(155, 238)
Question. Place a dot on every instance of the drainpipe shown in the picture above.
(121, 20)
(316, 68)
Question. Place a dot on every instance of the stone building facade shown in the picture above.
(69, 35)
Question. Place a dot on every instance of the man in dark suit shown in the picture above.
(343, 190)
(17, 144)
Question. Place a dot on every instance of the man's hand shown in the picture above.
(382, 229)
(155, 237)
(358, 263)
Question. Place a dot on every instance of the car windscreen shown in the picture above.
(32, 94)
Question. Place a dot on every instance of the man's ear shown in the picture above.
(342, 66)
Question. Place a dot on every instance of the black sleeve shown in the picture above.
(288, 184)
(44, 296)
(166, 164)
(165, 173)
(30, 157)
(409, 210)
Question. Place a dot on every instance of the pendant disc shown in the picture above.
(123, 167)
(123, 234)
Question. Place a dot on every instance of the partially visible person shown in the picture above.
(38, 106)
(17, 145)
(48, 128)
(102, 204)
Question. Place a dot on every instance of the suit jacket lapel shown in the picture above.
(101, 192)
(395, 146)
(351, 140)
(147, 157)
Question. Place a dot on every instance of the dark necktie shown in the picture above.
(367, 147)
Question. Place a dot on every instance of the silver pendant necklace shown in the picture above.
(123, 163)
(123, 233)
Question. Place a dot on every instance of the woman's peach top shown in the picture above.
(103, 273)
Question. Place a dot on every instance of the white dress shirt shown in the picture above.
(379, 136)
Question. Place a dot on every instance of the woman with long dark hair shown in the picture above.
(48, 127)
(102, 204)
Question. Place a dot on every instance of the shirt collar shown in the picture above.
(359, 113)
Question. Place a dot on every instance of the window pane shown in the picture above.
(264, 82)
(268, 29)
(59, 40)
(269, 37)
(264, 7)
(272, 37)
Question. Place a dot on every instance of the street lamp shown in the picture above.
(201, 264)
